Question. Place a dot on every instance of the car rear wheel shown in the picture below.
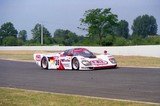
(75, 64)
(44, 63)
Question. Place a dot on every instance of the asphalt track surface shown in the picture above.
(140, 84)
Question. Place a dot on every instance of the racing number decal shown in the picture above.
(57, 62)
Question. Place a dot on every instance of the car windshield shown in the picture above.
(84, 53)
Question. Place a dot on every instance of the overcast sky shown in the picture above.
(65, 14)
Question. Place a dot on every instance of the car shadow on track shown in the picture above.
(80, 70)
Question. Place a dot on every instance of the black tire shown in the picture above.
(75, 64)
(44, 63)
(115, 66)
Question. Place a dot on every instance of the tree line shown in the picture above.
(103, 27)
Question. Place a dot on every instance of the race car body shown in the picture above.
(75, 59)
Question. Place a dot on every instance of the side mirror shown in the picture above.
(105, 52)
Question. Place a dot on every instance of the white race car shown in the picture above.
(75, 59)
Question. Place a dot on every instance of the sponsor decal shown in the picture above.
(52, 60)
(38, 57)
(99, 62)
(65, 60)
(66, 65)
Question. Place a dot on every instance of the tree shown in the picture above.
(22, 35)
(7, 29)
(65, 37)
(59, 35)
(144, 25)
(36, 32)
(122, 29)
(20, 42)
(99, 22)
(153, 40)
(108, 41)
(10, 41)
(137, 40)
(120, 41)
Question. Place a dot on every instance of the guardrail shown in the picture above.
(148, 50)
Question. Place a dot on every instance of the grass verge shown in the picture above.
(19, 54)
(19, 97)
(138, 61)
(123, 61)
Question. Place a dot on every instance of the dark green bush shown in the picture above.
(108, 40)
(120, 41)
(10, 41)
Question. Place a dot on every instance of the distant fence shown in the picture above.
(149, 50)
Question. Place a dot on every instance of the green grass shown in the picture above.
(19, 97)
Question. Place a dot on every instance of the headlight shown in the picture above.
(86, 62)
(112, 60)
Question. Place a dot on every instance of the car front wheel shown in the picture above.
(75, 64)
